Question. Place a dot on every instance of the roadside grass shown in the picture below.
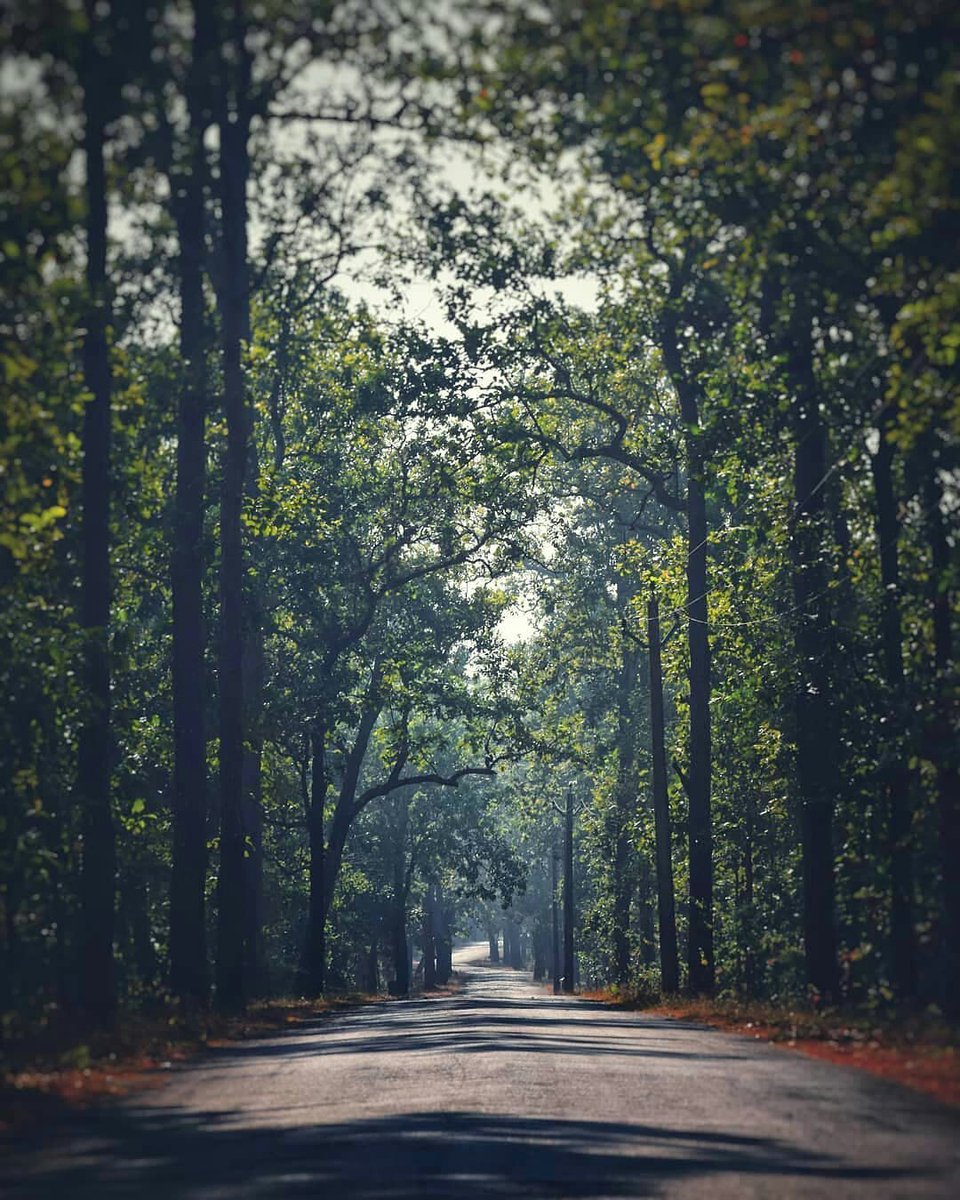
(918, 1050)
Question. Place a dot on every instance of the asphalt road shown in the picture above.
(503, 1091)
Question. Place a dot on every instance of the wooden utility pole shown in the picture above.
(666, 912)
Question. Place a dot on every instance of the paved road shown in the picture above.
(506, 1092)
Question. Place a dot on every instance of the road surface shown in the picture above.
(503, 1091)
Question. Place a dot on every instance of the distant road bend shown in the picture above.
(503, 1091)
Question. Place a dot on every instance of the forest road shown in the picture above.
(502, 1091)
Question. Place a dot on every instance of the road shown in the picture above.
(503, 1091)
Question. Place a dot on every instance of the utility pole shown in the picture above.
(568, 894)
(555, 970)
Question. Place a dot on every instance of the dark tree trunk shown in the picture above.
(569, 965)
(234, 321)
(429, 950)
(626, 793)
(137, 905)
(401, 950)
(443, 941)
(493, 937)
(666, 911)
(254, 965)
(345, 809)
(539, 952)
(313, 964)
(700, 966)
(898, 781)
(188, 951)
(555, 967)
(255, 958)
(943, 739)
(816, 750)
(98, 862)
(646, 939)
(513, 945)
(370, 981)
(751, 972)
(700, 954)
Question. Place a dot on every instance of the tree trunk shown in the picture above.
(943, 739)
(188, 950)
(816, 750)
(555, 967)
(666, 912)
(700, 954)
(345, 810)
(254, 964)
(645, 938)
(427, 942)
(370, 981)
(493, 937)
(898, 781)
(751, 959)
(627, 786)
(234, 321)
(313, 963)
(539, 952)
(98, 862)
(568, 895)
(443, 941)
(401, 950)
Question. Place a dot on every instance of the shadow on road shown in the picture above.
(154, 1153)
(476, 1027)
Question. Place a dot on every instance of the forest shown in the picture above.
(474, 470)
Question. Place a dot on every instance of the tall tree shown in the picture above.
(233, 115)
(188, 955)
(98, 865)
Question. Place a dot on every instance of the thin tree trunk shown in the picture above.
(188, 951)
(700, 952)
(427, 942)
(816, 751)
(401, 949)
(568, 895)
(254, 968)
(443, 940)
(539, 952)
(555, 967)
(943, 739)
(899, 782)
(748, 920)
(666, 910)
(371, 977)
(99, 862)
(626, 793)
(234, 321)
(313, 966)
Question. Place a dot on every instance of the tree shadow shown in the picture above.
(153, 1153)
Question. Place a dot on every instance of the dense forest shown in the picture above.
(478, 469)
